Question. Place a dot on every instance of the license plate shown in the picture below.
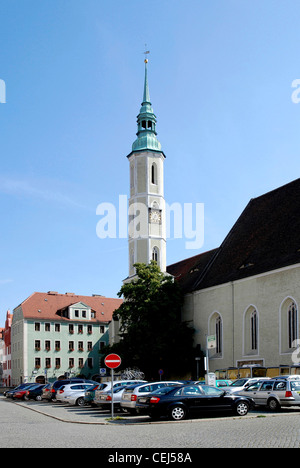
(142, 400)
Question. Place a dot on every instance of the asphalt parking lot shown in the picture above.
(53, 425)
(89, 415)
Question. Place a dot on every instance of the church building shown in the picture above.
(246, 292)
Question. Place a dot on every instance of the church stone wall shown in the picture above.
(269, 295)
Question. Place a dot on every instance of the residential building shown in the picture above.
(55, 335)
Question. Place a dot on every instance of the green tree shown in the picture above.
(152, 334)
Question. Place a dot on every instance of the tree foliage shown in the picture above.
(152, 334)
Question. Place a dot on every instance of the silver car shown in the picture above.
(130, 394)
(274, 393)
(106, 387)
(104, 398)
(73, 394)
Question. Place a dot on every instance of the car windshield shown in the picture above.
(119, 389)
(239, 383)
(102, 386)
(295, 385)
(163, 390)
(211, 390)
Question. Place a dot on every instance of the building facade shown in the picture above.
(6, 365)
(55, 335)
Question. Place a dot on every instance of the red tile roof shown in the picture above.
(47, 306)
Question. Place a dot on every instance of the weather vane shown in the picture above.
(146, 53)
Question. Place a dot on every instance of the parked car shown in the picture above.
(47, 393)
(10, 393)
(131, 393)
(89, 395)
(59, 383)
(73, 393)
(275, 393)
(104, 399)
(241, 384)
(35, 393)
(219, 383)
(21, 393)
(106, 387)
(178, 403)
(223, 383)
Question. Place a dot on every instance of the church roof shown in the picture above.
(265, 237)
(48, 306)
(146, 120)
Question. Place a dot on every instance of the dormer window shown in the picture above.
(80, 311)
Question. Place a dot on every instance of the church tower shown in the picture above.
(147, 220)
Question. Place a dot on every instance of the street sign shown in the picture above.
(112, 361)
(211, 342)
(102, 371)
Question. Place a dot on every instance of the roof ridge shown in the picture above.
(276, 189)
(219, 250)
(193, 256)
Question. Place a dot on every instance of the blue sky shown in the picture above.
(220, 76)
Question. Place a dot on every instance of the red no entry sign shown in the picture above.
(112, 361)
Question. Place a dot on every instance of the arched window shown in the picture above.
(155, 254)
(215, 327)
(251, 331)
(154, 174)
(292, 324)
(254, 330)
(289, 325)
(219, 335)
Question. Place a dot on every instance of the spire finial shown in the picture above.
(146, 53)
(146, 97)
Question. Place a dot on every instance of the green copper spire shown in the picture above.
(146, 121)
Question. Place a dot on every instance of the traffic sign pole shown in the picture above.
(112, 361)
(112, 394)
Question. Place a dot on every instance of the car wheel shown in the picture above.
(80, 401)
(177, 413)
(273, 404)
(38, 398)
(242, 408)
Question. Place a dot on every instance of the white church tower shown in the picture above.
(147, 219)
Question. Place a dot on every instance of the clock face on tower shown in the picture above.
(155, 216)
